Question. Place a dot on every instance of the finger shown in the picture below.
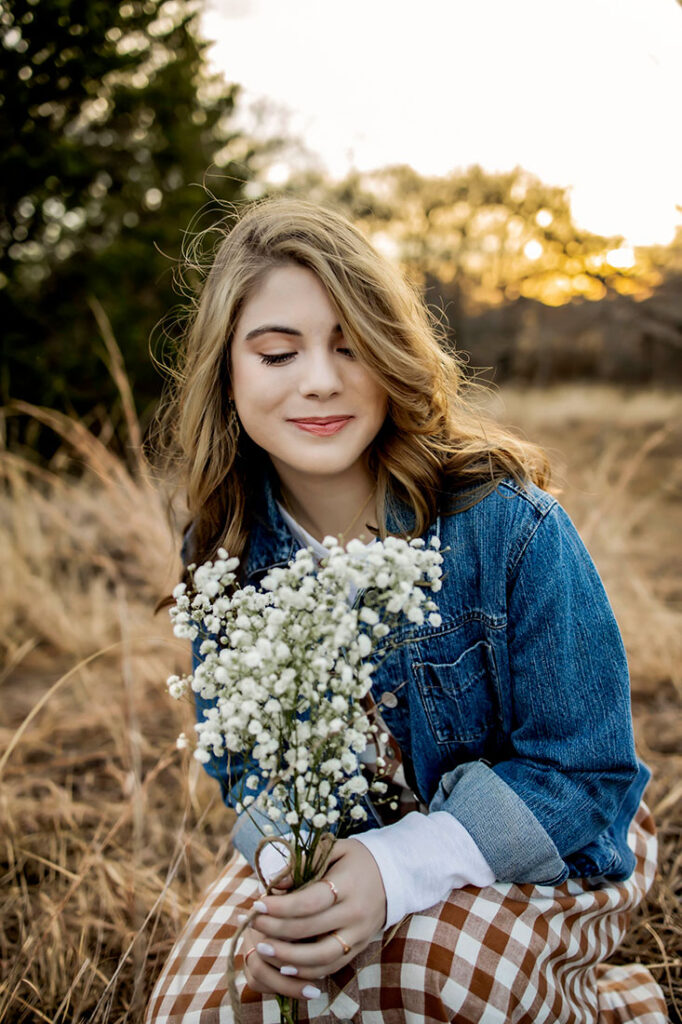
(321, 917)
(283, 885)
(314, 899)
(338, 850)
(333, 890)
(263, 977)
(296, 929)
(267, 953)
(324, 956)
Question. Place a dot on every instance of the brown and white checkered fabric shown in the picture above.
(504, 953)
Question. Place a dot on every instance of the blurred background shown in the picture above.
(521, 163)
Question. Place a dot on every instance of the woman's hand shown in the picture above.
(285, 964)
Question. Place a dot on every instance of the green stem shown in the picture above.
(288, 1009)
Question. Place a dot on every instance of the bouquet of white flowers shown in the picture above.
(286, 670)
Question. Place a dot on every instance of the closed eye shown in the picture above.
(283, 357)
(280, 357)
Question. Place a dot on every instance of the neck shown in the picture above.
(322, 509)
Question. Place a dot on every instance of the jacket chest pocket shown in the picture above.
(459, 696)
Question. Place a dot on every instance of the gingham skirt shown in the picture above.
(518, 953)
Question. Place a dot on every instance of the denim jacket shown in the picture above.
(514, 713)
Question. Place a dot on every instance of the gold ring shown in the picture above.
(248, 954)
(344, 945)
(335, 891)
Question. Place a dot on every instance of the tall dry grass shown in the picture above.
(109, 834)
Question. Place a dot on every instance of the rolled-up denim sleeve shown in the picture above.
(571, 756)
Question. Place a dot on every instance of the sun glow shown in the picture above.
(621, 259)
(533, 249)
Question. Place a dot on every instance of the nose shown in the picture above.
(320, 377)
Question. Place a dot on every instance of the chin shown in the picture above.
(324, 467)
(321, 465)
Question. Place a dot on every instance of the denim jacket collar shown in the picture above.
(271, 543)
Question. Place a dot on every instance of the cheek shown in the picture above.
(253, 388)
(378, 401)
(374, 394)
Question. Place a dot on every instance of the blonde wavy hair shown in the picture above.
(432, 444)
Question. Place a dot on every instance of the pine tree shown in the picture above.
(109, 122)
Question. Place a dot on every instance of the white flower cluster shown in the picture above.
(285, 668)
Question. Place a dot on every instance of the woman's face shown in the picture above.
(292, 371)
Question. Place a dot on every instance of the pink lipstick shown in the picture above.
(323, 427)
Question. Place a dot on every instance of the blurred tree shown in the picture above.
(108, 120)
(485, 237)
(492, 251)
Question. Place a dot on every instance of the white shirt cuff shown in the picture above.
(421, 859)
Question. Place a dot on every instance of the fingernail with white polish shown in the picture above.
(265, 948)
(242, 917)
(288, 969)
(260, 907)
(310, 992)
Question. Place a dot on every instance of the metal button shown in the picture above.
(390, 752)
(389, 700)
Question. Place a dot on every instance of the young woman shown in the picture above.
(317, 397)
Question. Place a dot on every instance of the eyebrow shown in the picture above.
(278, 329)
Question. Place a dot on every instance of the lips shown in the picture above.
(322, 426)
(320, 419)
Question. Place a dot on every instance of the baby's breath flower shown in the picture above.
(358, 784)
(364, 645)
(285, 667)
(176, 686)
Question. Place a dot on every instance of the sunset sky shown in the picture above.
(586, 94)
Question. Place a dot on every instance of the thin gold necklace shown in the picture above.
(351, 523)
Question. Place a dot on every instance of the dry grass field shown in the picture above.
(109, 834)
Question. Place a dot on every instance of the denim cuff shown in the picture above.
(249, 829)
(510, 837)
